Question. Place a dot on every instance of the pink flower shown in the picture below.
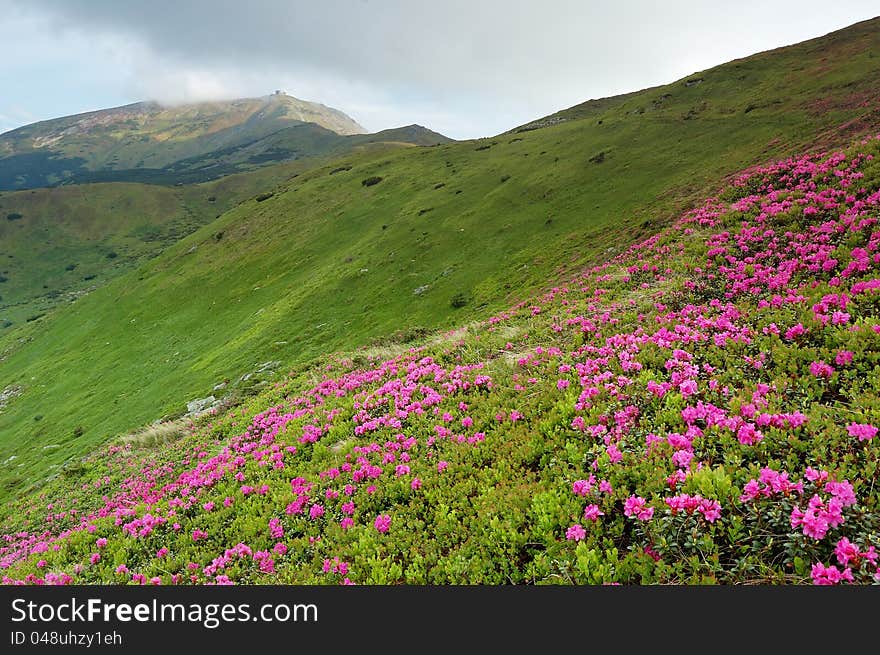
(575, 532)
(208, 506)
(442, 466)
(795, 331)
(821, 370)
(346, 523)
(843, 357)
(682, 458)
(864, 431)
(846, 551)
(829, 575)
(316, 511)
(101, 542)
(162, 552)
(711, 510)
(688, 388)
(382, 523)
(614, 453)
(582, 487)
(415, 484)
(592, 512)
(636, 507)
(95, 558)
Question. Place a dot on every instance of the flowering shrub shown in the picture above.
(700, 408)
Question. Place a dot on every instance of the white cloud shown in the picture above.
(465, 67)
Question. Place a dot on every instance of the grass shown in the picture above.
(63, 242)
(328, 263)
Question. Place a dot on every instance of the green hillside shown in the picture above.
(394, 243)
(60, 242)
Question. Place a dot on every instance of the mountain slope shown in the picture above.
(700, 409)
(59, 242)
(383, 243)
(146, 142)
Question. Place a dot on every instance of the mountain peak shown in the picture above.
(152, 135)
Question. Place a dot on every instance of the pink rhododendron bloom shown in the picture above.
(575, 532)
(688, 388)
(316, 511)
(592, 512)
(864, 431)
(614, 453)
(821, 370)
(843, 357)
(415, 484)
(846, 551)
(442, 466)
(382, 523)
(101, 542)
(829, 575)
(636, 507)
(95, 558)
(711, 510)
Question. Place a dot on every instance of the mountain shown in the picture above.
(380, 247)
(150, 143)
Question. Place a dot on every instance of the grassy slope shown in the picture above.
(518, 450)
(82, 224)
(330, 263)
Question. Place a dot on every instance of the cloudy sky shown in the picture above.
(466, 68)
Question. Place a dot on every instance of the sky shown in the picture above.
(465, 68)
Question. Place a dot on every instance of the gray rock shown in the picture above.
(7, 395)
(200, 405)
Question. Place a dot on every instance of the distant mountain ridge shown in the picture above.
(149, 142)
